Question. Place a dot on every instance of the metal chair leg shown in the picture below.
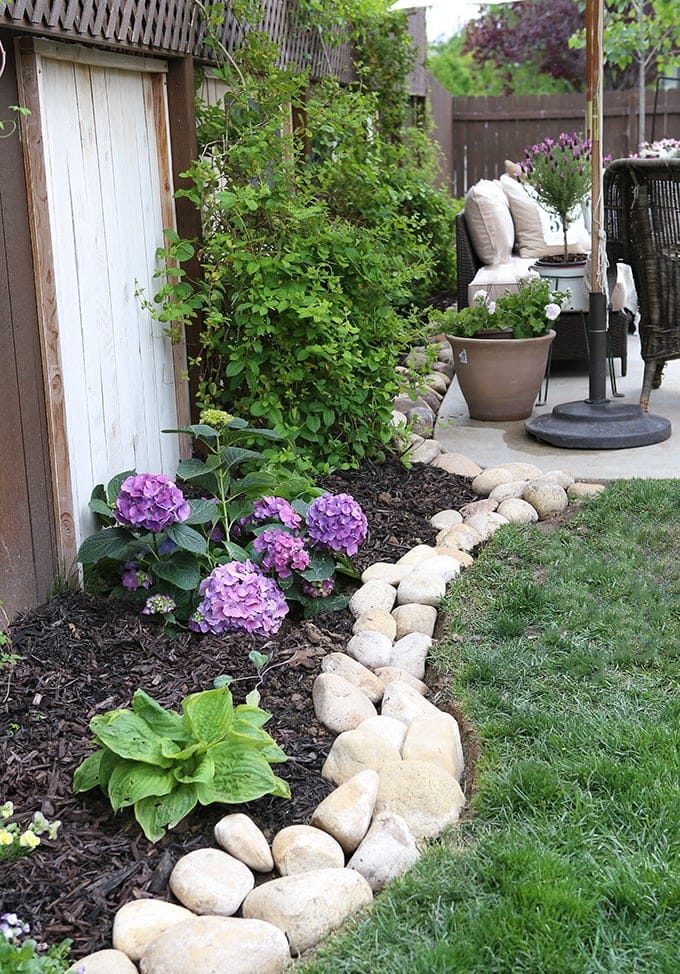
(542, 399)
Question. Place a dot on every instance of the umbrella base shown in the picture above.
(599, 426)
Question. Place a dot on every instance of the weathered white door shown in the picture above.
(104, 166)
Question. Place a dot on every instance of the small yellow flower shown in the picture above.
(29, 840)
(6, 810)
(6, 838)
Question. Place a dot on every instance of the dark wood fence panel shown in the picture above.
(28, 562)
(480, 133)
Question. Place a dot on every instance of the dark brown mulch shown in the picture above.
(83, 655)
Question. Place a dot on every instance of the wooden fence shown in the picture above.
(477, 134)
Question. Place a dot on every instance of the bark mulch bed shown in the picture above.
(82, 655)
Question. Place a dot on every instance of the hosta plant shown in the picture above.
(163, 763)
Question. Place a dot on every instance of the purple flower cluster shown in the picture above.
(11, 926)
(318, 590)
(161, 605)
(283, 552)
(150, 501)
(570, 149)
(276, 509)
(238, 596)
(337, 522)
(133, 578)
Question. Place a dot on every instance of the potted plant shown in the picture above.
(500, 348)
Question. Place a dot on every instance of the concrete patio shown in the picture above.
(492, 443)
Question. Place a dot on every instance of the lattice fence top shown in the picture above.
(174, 27)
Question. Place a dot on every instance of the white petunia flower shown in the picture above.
(533, 275)
(479, 297)
(552, 311)
(491, 307)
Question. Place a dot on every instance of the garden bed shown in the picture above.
(82, 655)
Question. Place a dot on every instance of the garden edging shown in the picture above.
(397, 770)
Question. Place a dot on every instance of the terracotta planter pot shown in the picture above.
(500, 377)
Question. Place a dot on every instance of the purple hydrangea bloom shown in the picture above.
(159, 605)
(283, 552)
(337, 522)
(150, 501)
(318, 590)
(133, 578)
(276, 509)
(238, 596)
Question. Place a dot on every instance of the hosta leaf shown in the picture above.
(253, 716)
(209, 714)
(240, 776)
(155, 814)
(170, 750)
(106, 768)
(204, 771)
(281, 789)
(128, 736)
(274, 755)
(131, 781)
(163, 722)
(116, 543)
(187, 539)
(86, 776)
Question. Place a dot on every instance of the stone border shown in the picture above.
(397, 769)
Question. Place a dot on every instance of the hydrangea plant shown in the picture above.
(231, 558)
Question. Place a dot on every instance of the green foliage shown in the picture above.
(25, 957)
(163, 764)
(315, 246)
(638, 31)
(526, 313)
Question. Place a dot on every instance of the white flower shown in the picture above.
(552, 311)
(491, 307)
(479, 297)
(533, 275)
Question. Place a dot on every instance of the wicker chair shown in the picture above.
(642, 221)
(571, 342)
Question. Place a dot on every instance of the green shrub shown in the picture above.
(164, 764)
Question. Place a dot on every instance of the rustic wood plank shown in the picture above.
(110, 30)
(36, 180)
(79, 54)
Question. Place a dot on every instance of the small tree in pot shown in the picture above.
(560, 173)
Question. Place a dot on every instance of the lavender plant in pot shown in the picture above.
(501, 348)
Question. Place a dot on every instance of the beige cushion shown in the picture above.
(489, 223)
(497, 279)
(538, 233)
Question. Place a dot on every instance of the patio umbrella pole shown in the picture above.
(596, 423)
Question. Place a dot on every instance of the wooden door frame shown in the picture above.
(28, 52)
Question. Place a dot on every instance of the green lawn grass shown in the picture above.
(564, 649)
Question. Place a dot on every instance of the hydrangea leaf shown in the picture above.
(116, 543)
(317, 607)
(320, 568)
(202, 511)
(180, 570)
(187, 539)
(113, 486)
(209, 714)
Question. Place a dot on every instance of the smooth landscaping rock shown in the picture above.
(579, 491)
(346, 812)
(355, 751)
(446, 519)
(301, 848)
(435, 381)
(485, 482)
(421, 419)
(238, 835)
(435, 739)
(562, 477)
(445, 566)
(422, 587)
(339, 704)
(517, 511)
(464, 558)
(139, 922)
(547, 497)
(405, 703)
(372, 595)
(427, 798)
(410, 652)
(414, 618)
(426, 452)
(505, 492)
(393, 674)
(308, 906)
(416, 555)
(486, 525)
(457, 464)
(479, 507)
(385, 571)
(521, 470)
(218, 945)
(371, 649)
(460, 536)
(208, 881)
(388, 851)
(355, 673)
(398, 418)
(388, 728)
(104, 962)
(376, 620)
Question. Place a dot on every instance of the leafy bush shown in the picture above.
(164, 764)
(20, 954)
(230, 559)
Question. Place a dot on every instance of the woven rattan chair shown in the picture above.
(642, 221)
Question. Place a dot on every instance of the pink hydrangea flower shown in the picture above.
(150, 501)
(238, 596)
(283, 552)
(337, 522)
